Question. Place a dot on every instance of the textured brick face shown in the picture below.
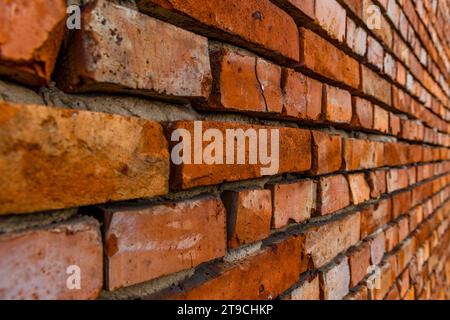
(130, 43)
(143, 244)
(41, 23)
(26, 254)
(53, 158)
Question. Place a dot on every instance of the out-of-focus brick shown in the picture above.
(334, 194)
(373, 85)
(356, 37)
(38, 264)
(55, 158)
(164, 238)
(391, 236)
(293, 201)
(338, 105)
(30, 35)
(332, 17)
(375, 53)
(381, 119)
(309, 289)
(359, 189)
(335, 280)
(359, 261)
(377, 248)
(327, 152)
(362, 113)
(249, 215)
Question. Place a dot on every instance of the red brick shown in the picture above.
(335, 280)
(356, 37)
(164, 238)
(263, 276)
(249, 215)
(358, 293)
(362, 154)
(327, 152)
(338, 105)
(302, 96)
(258, 24)
(359, 188)
(396, 153)
(377, 182)
(309, 289)
(396, 179)
(298, 8)
(244, 82)
(120, 60)
(37, 264)
(373, 85)
(322, 243)
(384, 32)
(65, 158)
(381, 119)
(335, 65)
(362, 113)
(334, 194)
(390, 66)
(394, 124)
(331, 16)
(375, 53)
(359, 261)
(401, 203)
(374, 217)
(403, 228)
(391, 236)
(30, 35)
(293, 201)
(386, 281)
(294, 154)
(377, 248)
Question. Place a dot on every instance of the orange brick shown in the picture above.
(373, 85)
(308, 290)
(293, 201)
(338, 105)
(30, 35)
(359, 261)
(334, 194)
(48, 257)
(249, 215)
(164, 238)
(362, 113)
(381, 119)
(78, 158)
(327, 152)
(331, 16)
(359, 188)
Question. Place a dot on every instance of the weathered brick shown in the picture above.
(377, 182)
(293, 201)
(338, 105)
(244, 82)
(39, 263)
(127, 45)
(257, 24)
(249, 215)
(362, 113)
(331, 16)
(149, 242)
(375, 53)
(359, 188)
(335, 280)
(261, 276)
(362, 154)
(377, 247)
(327, 152)
(396, 179)
(335, 65)
(30, 35)
(356, 37)
(359, 261)
(294, 153)
(381, 119)
(374, 217)
(334, 194)
(56, 158)
(391, 236)
(309, 289)
(323, 243)
(302, 96)
(401, 203)
(373, 85)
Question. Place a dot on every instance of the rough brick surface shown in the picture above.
(143, 244)
(53, 158)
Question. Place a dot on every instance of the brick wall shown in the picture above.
(92, 204)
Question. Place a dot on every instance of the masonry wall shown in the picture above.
(358, 208)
